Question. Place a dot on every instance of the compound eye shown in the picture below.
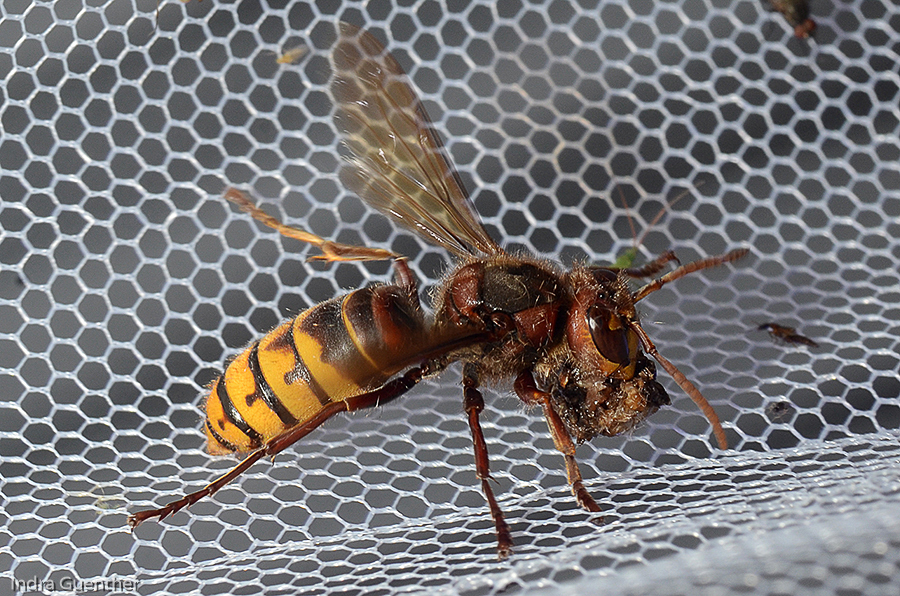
(609, 335)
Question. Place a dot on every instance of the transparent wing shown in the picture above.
(397, 163)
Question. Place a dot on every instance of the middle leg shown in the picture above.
(474, 404)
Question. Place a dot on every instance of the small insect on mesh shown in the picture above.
(127, 281)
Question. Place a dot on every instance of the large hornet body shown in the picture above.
(569, 340)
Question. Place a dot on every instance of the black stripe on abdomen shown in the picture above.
(233, 416)
(300, 372)
(264, 390)
(219, 438)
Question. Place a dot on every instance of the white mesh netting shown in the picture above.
(127, 280)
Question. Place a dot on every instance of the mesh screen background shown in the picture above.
(127, 280)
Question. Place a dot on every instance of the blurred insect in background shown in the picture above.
(571, 341)
(100, 502)
(786, 334)
(292, 55)
(779, 410)
(796, 13)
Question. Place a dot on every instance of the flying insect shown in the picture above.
(787, 334)
(796, 13)
(571, 341)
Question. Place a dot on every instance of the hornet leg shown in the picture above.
(474, 404)
(527, 390)
(389, 391)
(652, 268)
(671, 276)
(331, 251)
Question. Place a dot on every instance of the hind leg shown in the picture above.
(388, 392)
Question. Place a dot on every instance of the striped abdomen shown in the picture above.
(332, 351)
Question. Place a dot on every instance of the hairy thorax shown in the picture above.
(518, 304)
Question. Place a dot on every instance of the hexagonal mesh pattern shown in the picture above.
(127, 280)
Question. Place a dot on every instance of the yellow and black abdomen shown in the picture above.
(332, 351)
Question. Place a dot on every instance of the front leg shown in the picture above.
(474, 404)
(653, 267)
(527, 390)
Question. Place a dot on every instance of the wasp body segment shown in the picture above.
(338, 349)
(519, 301)
(613, 387)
